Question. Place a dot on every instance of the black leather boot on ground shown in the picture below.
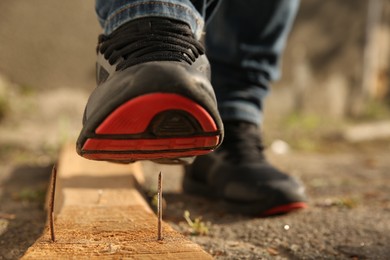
(238, 174)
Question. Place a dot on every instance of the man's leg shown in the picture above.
(114, 13)
(154, 100)
(245, 41)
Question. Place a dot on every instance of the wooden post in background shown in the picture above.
(375, 81)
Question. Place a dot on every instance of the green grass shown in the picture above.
(37, 195)
(197, 226)
(375, 110)
(302, 122)
(305, 132)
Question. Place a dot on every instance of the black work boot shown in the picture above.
(238, 173)
(154, 100)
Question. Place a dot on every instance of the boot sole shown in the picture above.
(157, 126)
(247, 208)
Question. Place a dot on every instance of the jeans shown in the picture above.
(244, 42)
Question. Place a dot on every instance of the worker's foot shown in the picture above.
(239, 174)
(154, 100)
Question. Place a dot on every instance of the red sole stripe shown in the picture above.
(285, 208)
(151, 144)
(138, 156)
(134, 116)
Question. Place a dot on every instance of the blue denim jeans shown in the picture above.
(244, 42)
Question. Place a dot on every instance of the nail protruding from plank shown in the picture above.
(52, 197)
(159, 208)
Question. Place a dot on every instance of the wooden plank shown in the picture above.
(100, 213)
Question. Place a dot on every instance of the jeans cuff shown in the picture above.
(240, 111)
(168, 9)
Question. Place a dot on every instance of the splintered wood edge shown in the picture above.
(112, 222)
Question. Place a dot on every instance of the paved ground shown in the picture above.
(348, 216)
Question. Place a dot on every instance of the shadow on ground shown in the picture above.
(22, 214)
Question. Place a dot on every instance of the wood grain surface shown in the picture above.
(100, 213)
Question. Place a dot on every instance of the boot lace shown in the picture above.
(150, 40)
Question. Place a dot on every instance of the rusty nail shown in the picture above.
(52, 196)
(159, 207)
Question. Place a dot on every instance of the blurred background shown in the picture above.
(335, 72)
(327, 121)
